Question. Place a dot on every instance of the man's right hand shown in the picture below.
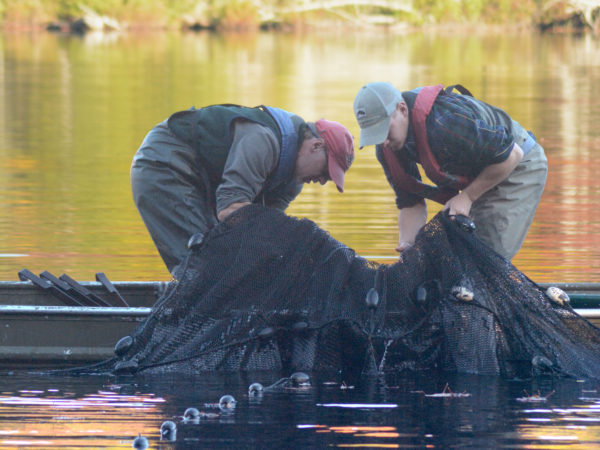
(224, 213)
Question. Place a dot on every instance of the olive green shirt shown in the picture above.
(253, 157)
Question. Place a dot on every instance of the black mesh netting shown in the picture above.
(265, 291)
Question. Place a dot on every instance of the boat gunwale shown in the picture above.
(162, 285)
(39, 310)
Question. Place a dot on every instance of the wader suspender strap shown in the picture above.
(442, 193)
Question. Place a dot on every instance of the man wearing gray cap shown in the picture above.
(483, 163)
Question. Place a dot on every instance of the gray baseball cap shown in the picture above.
(373, 106)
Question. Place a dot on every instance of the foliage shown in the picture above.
(435, 11)
(26, 11)
(245, 14)
(473, 9)
(235, 14)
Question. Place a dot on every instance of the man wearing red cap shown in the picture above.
(200, 165)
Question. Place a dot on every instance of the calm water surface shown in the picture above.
(474, 412)
(75, 109)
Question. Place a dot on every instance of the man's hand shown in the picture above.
(459, 204)
(224, 213)
(403, 246)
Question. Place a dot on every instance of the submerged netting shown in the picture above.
(265, 291)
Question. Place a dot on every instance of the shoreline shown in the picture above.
(67, 28)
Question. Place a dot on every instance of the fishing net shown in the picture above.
(265, 291)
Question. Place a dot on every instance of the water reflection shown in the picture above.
(61, 418)
(75, 109)
(390, 411)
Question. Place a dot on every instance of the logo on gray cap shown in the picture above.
(373, 106)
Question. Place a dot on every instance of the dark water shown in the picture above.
(386, 412)
(73, 111)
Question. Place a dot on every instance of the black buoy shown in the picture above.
(123, 345)
(227, 403)
(421, 295)
(542, 365)
(140, 442)
(168, 430)
(126, 367)
(300, 379)
(465, 223)
(266, 332)
(300, 326)
(372, 298)
(427, 292)
(195, 241)
(191, 414)
(255, 389)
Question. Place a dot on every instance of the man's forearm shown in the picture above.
(489, 177)
(410, 221)
(494, 174)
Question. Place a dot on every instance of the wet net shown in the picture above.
(265, 291)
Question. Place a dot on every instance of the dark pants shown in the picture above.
(172, 193)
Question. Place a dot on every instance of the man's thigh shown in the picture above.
(504, 214)
(171, 192)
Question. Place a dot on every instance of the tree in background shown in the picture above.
(252, 14)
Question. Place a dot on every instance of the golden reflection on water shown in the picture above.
(62, 419)
(75, 109)
(574, 427)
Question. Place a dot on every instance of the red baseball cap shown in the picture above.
(340, 149)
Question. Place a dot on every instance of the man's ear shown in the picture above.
(402, 108)
(317, 144)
